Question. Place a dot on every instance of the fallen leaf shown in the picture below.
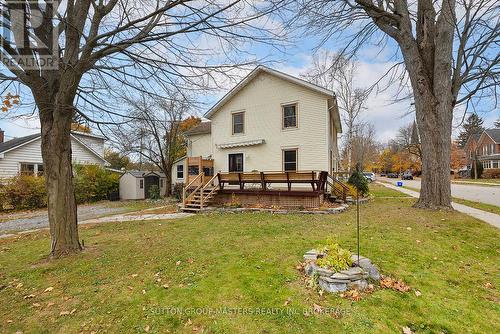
(29, 296)
(418, 293)
(158, 280)
(50, 288)
(19, 285)
(146, 329)
(165, 286)
(64, 313)
(50, 304)
(407, 330)
(288, 301)
(418, 241)
(317, 308)
(178, 263)
(408, 228)
(190, 261)
(72, 311)
(488, 285)
(321, 292)
(130, 288)
(135, 275)
(143, 291)
(36, 305)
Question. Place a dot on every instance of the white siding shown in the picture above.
(261, 100)
(95, 143)
(129, 187)
(175, 179)
(200, 145)
(31, 153)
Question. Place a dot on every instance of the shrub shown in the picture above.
(94, 183)
(177, 190)
(154, 192)
(491, 174)
(359, 182)
(23, 192)
(334, 257)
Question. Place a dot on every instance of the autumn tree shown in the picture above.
(472, 126)
(116, 159)
(73, 58)
(458, 158)
(449, 52)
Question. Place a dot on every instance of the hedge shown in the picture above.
(26, 192)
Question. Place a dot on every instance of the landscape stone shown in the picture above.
(329, 286)
(358, 285)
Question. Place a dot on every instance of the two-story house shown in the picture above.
(270, 121)
(488, 149)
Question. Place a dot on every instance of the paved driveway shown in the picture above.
(476, 193)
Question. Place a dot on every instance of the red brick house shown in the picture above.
(488, 149)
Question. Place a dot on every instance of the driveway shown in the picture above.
(476, 193)
(39, 219)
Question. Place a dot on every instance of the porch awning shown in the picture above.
(241, 144)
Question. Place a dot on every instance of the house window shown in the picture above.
(193, 170)
(180, 171)
(290, 160)
(161, 183)
(27, 169)
(289, 116)
(40, 170)
(141, 184)
(495, 164)
(238, 122)
(236, 163)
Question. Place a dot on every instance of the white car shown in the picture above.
(370, 176)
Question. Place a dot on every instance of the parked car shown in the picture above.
(383, 174)
(392, 175)
(370, 176)
(407, 176)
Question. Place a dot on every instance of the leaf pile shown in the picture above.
(391, 283)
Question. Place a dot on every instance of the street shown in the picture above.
(476, 193)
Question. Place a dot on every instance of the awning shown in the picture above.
(241, 144)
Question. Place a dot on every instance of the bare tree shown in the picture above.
(157, 122)
(336, 72)
(72, 59)
(364, 147)
(449, 52)
(409, 139)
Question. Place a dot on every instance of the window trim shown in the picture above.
(283, 105)
(232, 123)
(141, 184)
(283, 150)
(36, 172)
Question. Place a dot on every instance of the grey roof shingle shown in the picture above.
(142, 173)
(200, 129)
(5, 146)
(494, 134)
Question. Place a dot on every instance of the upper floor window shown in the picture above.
(290, 160)
(289, 116)
(238, 122)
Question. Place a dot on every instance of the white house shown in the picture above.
(24, 155)
(270, 121)
(136, 184)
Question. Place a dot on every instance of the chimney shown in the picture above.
(2, 136)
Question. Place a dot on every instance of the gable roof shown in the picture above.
(493, 134)
(200, 129)
(259, 69)
(21, 141)
(16, 142)
(475, 137)
(143, 173)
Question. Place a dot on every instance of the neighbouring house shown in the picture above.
(269, 122)
(135, 184)
(24, 155)
(485, 148)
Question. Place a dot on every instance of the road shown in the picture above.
(476, 193)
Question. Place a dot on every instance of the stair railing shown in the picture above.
(338, 187)
(185, 196)
(202, 191)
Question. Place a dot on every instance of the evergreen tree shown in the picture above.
(473, 125)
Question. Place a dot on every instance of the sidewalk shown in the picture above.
(487, 217)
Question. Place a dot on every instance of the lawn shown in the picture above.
(236, 273)
(492, 181)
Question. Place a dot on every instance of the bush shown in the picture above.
(177, 190)
(491, 174)
(94, 183)
(23, 192)
(154, 192)
(359, 182)
(334, 257)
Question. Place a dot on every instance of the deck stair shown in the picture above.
(197, 198)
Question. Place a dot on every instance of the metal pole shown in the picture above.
(357, 218)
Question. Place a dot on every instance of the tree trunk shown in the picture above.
(56, 154)
(435, 130)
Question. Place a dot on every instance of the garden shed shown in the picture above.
(136, 184)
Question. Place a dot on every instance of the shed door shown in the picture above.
(148, 182)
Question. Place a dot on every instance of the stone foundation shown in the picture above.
(355, 277)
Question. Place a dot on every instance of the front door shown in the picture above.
(236, 163)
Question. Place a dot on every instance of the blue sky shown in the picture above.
(386, 116)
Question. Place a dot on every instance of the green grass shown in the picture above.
(248, 261)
